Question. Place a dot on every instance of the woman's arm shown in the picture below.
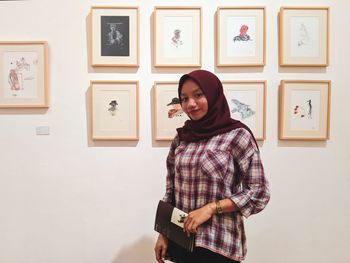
(197, 217)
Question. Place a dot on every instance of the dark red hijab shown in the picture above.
(218, 118)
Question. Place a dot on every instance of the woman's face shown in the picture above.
(193, 101)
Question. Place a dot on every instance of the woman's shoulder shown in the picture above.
(238, 138)
(239, 133)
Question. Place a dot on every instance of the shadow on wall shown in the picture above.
(140, 251)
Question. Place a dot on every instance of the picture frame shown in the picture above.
(304, 36)
(247, 103)
(168, 114)
(115, 36)
(304, 109)
(24, 74)
(240, 36)
(115, 110)
(177, 36)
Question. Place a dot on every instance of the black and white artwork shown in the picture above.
(115, 32)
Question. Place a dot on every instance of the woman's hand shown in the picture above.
(198, 217)
(160, 248)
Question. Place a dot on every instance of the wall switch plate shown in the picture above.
(42, 130)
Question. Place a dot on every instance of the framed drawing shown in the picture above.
(24, 74)
(304, 109)
(115, 36)
(115, 114)
(304, 36)
(240, 35)
(168, 112)
(247, 102)
(177, 36)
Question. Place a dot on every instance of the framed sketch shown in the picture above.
(177, 36)
(115, 36)
(240, 35)
(168, 112)
(115, 114)
(304, 109)
(304, 36)
(247, 102)
(24, 74)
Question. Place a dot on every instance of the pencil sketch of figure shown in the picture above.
(175, 40)
(20, 72)
(175, 110)
(13, 80)
(304, 38)
(22, 65)
(243, 36)
(309, 105)
(114, 36)
(242, 108)
(114, 108)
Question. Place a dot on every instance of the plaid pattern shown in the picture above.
(227, 165)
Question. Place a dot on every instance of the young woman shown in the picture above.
(215, 174)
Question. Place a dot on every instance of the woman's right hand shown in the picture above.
(160, 248)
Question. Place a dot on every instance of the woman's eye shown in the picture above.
(184, 99)
(198, 95)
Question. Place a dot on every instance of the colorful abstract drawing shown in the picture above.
(243, 36)
(175, 108)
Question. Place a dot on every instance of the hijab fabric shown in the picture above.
(218, 118)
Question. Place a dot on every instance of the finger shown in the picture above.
(161, 255)
(156, 251)
(164, 251)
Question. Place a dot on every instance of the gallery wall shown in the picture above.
(67, 199)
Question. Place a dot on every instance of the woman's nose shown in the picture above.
(191, 102)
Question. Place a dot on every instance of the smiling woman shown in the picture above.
(193, 101)
(215, 174)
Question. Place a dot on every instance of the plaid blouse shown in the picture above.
(227, 165)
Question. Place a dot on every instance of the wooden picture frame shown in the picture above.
(304, 36)
(177, 36)
(115, 110)
(24, 74)
(304, 109)
(168, 113)
(247, 103)
(115, 36)
(240, 36)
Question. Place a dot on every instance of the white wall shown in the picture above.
(66, 199)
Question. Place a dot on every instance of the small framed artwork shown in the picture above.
(304, 36)
(247, 100)
(115, 36)
(168, 112)
(177, 36)
(304, 109)
(115, 114)
(240, 35)
(24, 74)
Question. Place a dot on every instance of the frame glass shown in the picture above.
(115, 113)
(177, 36)
(168, 113)
(240, 34)
(304, 109)
(247, 103)
(115, 36)
(304, 36)
(24, 74)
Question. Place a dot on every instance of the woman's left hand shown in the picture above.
(198, 217)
